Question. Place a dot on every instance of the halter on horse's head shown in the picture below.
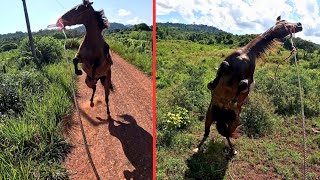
(282, 28)
(81, 14)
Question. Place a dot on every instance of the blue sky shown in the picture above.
(45, 12)
(243, 16)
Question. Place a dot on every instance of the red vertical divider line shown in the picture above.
(154, 89)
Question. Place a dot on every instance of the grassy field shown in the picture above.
(134, 46)
(272, 144)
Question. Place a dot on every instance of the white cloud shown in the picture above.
(135, 20)
(123, 12)
(174, 20)
(245, 16)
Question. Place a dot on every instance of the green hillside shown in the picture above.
(271, 146)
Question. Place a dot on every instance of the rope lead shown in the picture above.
(302, 114)
(79, 116)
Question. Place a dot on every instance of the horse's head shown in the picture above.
(77, 15)
(283, 28)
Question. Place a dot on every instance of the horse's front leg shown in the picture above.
(76, 70)
(91, 83)
(223, 68)
(243, 87)
(232, 151)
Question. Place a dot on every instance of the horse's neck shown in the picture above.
(257, 47)
(93, 33)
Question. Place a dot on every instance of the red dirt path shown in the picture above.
(121, 148)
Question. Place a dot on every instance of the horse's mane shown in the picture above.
(270, 46)
(103, 22)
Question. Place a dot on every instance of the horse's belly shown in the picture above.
(99, 72)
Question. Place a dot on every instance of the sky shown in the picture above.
(45, 12)
(243, 16)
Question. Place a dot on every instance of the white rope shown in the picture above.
(77, 108)
(302, 114)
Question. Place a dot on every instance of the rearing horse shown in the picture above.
(234, 80)
(93, 52)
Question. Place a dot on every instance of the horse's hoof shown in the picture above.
(78, 72)
(232, 152)
(91, 104)
(196, 150)
(235, 152)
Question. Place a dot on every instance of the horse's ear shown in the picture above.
(278, 18)
(86, 2)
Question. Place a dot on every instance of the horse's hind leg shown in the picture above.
(76, 70)
(232, 151)
(93, 92)
(208, 122)
(106, 82)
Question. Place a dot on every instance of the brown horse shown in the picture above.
(234, 81)
(93, 52)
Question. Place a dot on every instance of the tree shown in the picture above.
(141, 27)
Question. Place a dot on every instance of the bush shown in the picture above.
(11, 101)
(72, 44)
(8, 47)
(191, 93)
(317, 141)
(256, 116)
(177, 119)
(48, 49)
(315, 158)
(142, 27)
(284, 92)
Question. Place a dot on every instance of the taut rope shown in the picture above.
(302, 114)
(79, 116)
(292, 34)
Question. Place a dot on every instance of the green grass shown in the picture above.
(269, 149)
(32, 142)
(133, 46)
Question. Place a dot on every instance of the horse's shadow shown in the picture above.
(136, 144)
(210, 164)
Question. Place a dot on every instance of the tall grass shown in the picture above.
(134, 46)
(32, 145)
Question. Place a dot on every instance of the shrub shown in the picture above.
(142, 27)
(72, 44)
(48, 49)
(256, 116)
(11, 101)
(284, 92)
(58, 35)
(177, 119)
(8, 47)
(190, 91)
(315, 158)
(317, 141)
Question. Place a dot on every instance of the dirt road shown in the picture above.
(121, 148)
